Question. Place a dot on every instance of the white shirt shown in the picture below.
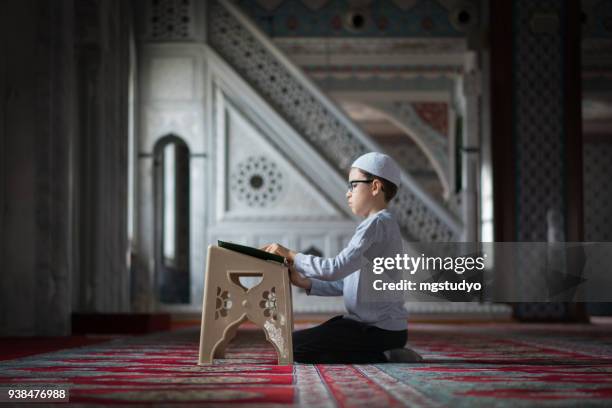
(376, 236)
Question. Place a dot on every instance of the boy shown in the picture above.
(370, 329)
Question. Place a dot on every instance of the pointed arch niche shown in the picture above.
(171, 184)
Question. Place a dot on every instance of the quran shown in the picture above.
(247, 250)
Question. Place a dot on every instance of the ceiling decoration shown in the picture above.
(360, 18)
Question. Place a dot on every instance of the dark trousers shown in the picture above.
(345, 341)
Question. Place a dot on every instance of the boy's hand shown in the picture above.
(298, 279)
(278, 249)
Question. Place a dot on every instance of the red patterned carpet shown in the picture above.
(505, 365)
(16, 347)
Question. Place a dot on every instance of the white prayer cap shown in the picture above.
(379, 165)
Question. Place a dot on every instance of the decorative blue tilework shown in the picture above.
(428, 18)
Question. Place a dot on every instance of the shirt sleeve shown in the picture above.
(345, 263)
(322, 288)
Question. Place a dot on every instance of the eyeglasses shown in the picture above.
(352, 183)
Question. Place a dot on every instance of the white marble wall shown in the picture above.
(186, 92)
(308, 212)
(171, 103)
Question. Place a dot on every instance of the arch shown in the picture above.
(166, 138)
(433, 150)
(171, 203)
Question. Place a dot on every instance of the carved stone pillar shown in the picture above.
(536, 128)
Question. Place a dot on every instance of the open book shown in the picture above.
(247, 250)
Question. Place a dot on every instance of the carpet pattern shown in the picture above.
(507, 365)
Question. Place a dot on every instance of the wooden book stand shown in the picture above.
(227, 303)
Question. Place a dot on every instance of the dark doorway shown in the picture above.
(171, 178)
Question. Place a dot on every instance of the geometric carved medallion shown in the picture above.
(257, 181)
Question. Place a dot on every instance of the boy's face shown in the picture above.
(362, 198)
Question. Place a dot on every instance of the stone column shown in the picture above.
(37, 158)
(103, 282)
(536, 127)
